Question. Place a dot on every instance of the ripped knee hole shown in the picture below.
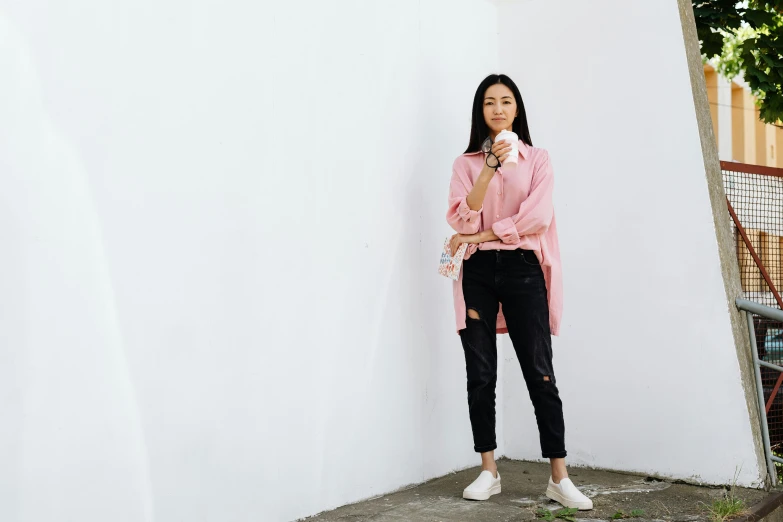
(473, 314)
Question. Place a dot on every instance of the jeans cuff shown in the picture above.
(482, 449)
(555, 454)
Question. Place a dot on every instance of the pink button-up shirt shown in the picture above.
(518, 208)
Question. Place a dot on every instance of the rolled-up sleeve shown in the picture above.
(506, 230)
(466, 213)
(460, 216)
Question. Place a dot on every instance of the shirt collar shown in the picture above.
(524, 150)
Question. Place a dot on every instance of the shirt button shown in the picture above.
(498, 216)
(499, 193)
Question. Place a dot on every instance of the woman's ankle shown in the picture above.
(491, 469)
(559, 470)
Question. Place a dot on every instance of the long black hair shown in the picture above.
(479, 131)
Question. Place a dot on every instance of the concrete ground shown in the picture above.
(524, 484)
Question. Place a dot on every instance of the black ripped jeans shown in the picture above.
(515, 279)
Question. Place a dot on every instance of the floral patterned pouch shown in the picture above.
(449, 265)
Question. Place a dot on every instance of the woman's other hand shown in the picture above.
(456, 241)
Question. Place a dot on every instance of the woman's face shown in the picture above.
(500, 108)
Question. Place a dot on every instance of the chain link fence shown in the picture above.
(755, 202)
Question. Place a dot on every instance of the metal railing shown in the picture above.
(750, 308)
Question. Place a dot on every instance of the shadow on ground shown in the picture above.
(524, 484)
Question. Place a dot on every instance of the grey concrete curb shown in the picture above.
(766, 510)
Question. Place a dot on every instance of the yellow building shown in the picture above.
(740, 135)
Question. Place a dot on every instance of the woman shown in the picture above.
(510, 280)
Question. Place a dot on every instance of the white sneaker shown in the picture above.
(567, 494)
(483, 487)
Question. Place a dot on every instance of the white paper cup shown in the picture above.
(511, 137)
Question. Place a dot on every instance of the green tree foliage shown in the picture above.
(746, 37)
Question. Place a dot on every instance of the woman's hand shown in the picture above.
(456, 241)
(500, 149)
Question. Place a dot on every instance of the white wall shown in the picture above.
(646, 363)
(221, 223)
